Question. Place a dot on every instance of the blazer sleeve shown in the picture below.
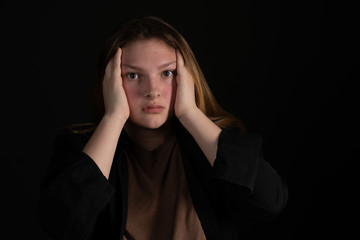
(73, 191)
(249, 184)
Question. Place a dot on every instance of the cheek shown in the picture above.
(132, 95)
(169, 92)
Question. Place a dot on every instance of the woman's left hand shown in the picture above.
(205, 132)
(185, 93)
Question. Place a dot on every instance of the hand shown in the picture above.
(115, 99)
(185, 93)
(205, 132)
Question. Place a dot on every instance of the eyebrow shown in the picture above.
(139, 68)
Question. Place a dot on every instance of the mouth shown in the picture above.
(153, 109)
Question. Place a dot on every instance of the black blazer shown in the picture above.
(78, 202)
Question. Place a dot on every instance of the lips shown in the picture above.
(153, 109)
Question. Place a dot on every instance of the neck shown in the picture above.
(147, 138)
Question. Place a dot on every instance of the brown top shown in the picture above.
(159, 203)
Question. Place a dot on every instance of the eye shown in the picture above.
(167, 73)
(132, 76)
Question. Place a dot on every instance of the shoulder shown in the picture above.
(74, 135)
(235, 135)
(79, 128)
(233, 141)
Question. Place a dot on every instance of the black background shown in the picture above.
(283, 67)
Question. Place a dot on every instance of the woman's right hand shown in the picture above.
(115, 99)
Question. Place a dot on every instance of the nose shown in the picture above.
(152, 94)
(152, 89)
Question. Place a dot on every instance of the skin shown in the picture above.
(141, 96)
(148, 74)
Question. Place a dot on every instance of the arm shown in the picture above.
(102, 144)
(250, 185)
(75, 189)
(205, 132)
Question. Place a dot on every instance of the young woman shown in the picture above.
(164, 160)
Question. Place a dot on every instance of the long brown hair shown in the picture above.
(153, 27)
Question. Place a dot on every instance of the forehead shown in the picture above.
(145, 52)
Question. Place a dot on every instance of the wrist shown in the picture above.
(114, 119)
(189, 113)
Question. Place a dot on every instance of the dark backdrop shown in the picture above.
(283, 67)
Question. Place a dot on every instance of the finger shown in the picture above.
(179, 60)
(108, 67)
(117, 62)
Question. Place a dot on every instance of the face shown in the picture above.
(148, 73)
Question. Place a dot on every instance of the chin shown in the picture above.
(153, 126)
(150, 124)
